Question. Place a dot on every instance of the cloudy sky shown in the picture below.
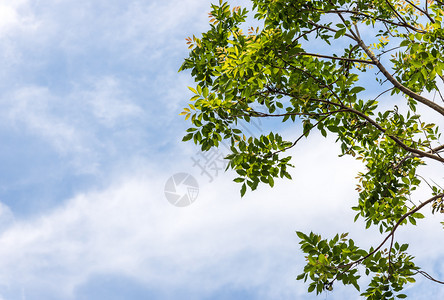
(90, 134)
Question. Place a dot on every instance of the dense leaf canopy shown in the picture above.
(308, 63)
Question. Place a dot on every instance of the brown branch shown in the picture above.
(328, 28)
(392, 232)
(359, 13)
(355, 35)
(320, 83)
(338, 58)
(264, 115)
(396, 139)
(406, 215)
(364, 116)
(304, 34)
(371, 121)
(429, 277)
(300, 137)
(439, 93)
(397, 84)
(419, 153)
(421, 10)
(403, 24)
(384, 71)
(437, 149)
(397, 14)
(382, 93)
(431, 151)
(390, 253)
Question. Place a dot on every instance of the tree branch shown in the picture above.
(328, 28)
(397, 84)
(392, 232)
(300, 137)
(264, 115)
(384, 71)
(426, 275)
(419, 153)
(338, 58)
(397, 14)
(357, 13)
(432, 151)
(396, 139)
(421, 10)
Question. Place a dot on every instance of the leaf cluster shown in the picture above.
(272, 71)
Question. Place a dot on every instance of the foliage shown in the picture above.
(270, 72)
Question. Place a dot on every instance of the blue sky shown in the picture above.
(90, 133)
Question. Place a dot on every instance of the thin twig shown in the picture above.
(338, 58)
(421, 10)
(300, 137)
(392, 232)
(426, 275)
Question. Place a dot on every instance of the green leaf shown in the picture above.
(300, 276)
(404, 43)
(192, 89)
(187, 137)
(339, 33)
(403, 247)
(418, 215)
(269, 68)
(243, 190)
(301, 235)
(355, 284)
(357, 89)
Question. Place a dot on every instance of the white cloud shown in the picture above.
(130, 229)
(109, 103)
(74, 75)
(14, 15)
(32, 106)
(72, 123)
